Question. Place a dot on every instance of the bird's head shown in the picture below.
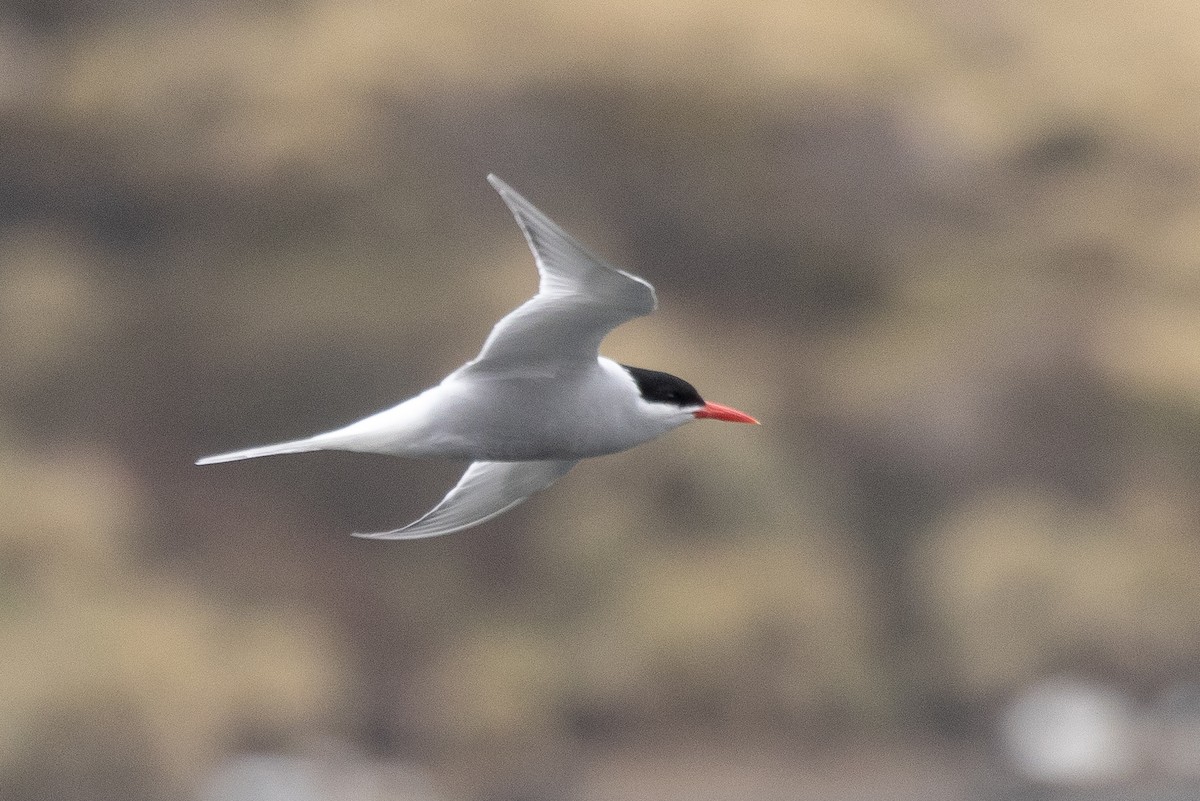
(673, 398)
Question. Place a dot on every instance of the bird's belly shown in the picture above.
(497, 421)
(537, 445)
(540, 431)
(538, 434)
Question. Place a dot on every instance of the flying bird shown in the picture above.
(536, 400)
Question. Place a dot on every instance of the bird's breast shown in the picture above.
(573, 416)
(507, 418)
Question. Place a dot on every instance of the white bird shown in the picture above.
(538, 398)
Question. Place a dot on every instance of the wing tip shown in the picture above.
(374, 535)
(379, 535)
(405, 533)
(498, 184)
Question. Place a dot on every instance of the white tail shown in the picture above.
(295, 446)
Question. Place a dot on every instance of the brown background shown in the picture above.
(946, 251)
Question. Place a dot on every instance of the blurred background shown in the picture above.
(946, 251)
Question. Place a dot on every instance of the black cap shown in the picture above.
(659, 387)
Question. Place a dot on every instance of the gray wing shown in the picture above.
(580, 299)
(486, 490)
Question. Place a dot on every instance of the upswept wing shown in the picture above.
(580, 299)
(486, 490)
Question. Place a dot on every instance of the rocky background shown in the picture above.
(945, 251)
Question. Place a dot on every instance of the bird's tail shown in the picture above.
(295, 446)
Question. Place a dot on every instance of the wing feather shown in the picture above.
(580, 299)
(486, 490)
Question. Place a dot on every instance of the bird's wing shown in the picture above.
(486, 490)
(580, 299)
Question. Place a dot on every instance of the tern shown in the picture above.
(537, 399)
